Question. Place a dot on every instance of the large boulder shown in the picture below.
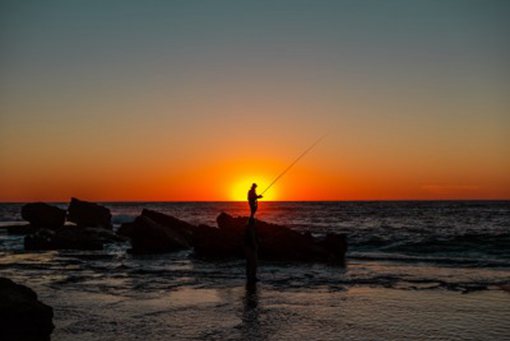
(179, 226)
(336, 246)
(148, 236)
(126, 229)
(154, 232)
(277, 242)
(19, 229)
(70, 237)
(42, 215)
(22, 316)
(89, 214)
(40, 240)
(212, 242)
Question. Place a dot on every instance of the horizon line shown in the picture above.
(241, 201)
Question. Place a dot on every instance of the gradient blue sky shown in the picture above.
(159, 100)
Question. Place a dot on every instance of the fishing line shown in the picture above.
(293, 163)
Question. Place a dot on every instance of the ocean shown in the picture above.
(415, 270)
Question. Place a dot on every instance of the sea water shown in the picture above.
(415, 270)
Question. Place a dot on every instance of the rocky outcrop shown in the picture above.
(148, 236)
(336, 246)
(179, 226)
(126, 229)
(89, 214)
(19, 229)
(212, 242)
(22, 315)
(155, 232)
(42, 215)
(70, 237)
(277, 242)
(41, 239)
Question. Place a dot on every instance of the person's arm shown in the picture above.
(259, 197)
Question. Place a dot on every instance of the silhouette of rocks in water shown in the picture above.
(212, 242)
(42, 215)
(179, 226)
(70, 237)
(19, 229)
(126, 229)
(22, 316)
(336, 245)
(154, 232)
(148, 236)
(277, 242)
(89, 214)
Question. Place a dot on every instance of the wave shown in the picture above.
(123, 218)
(481, 262)
(473, 244)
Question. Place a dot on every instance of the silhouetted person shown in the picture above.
(251, 244)
(252, 200)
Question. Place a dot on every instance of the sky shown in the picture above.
(189, 100)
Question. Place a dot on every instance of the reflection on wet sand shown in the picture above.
(250, 328)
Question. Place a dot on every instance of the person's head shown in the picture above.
(254, 185)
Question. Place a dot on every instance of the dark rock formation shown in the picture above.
(88, 238)
(212, 242)
(41, 215)
(70, 237)
(19, 229)
(88, 214)
(276, 242)
(179, 226)
(22, 316)
(106, 236)
(40, 240)
(154, 232)
(126, 229)
(148, 236)
(336, 246)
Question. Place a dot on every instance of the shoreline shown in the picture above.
(234, 313)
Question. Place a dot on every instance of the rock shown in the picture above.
(88, 214)
(41, 215)
(277, 242)
(20, 229)
(40, 240)
(77, 239)
(22, 316)
(180, 226)
(212, 242)
(126, 229)
(148, 236)
(69, 237)
(154, 232)
(336, 245)
(106, 236)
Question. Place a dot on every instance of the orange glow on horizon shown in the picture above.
(240, 189)
(316, 178)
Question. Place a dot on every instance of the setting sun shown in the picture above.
(240, 189)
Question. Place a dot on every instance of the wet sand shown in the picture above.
(236, 313)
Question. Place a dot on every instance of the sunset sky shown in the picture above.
(195, 100)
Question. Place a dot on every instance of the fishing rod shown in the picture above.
(293, 163)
